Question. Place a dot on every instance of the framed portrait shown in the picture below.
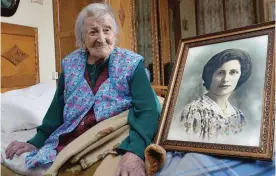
(221, 93)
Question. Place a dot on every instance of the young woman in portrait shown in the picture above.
(212, 116)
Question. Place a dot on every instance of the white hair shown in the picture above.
(97, 10)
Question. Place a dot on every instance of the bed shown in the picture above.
(24, 100)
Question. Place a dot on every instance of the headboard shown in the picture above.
(19, 57)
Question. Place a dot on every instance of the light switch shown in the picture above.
(54, 75)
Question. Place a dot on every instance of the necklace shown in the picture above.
(226, 106)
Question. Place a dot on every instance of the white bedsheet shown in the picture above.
(24, 109)
(17, 164)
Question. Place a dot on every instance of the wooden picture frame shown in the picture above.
(207, 120)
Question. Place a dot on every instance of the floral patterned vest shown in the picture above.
(112, 97)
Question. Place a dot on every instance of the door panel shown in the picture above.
(67, 45)
(124, 10)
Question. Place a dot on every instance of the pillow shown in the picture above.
(25, 108)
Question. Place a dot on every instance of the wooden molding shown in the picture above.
(100, 1)
(133, 26)
(174, 5)
(13, 29)
(155, 43)
(57, 35)
(164, 28)
(12, 81)
(37, 56)
(15, 55)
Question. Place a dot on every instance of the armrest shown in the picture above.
(160, 90)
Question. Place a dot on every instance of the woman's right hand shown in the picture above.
(18, 148)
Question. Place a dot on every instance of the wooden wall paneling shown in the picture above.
(175, 6)
(155, 43)
(164, 28)
(56, 35)
(125, 17)
(37, 73)
(133, 29)
(19, 56)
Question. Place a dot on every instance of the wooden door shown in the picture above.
(65, 14)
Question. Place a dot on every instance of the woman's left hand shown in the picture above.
(131, 165)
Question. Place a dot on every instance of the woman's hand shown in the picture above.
(131, 165)
(18, 148)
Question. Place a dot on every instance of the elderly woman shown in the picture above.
(212, 116)
(98, 81)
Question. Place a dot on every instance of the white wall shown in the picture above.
(40, 16)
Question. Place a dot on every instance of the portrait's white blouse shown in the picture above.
(204, 118)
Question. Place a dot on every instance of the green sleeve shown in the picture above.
(53, 118)
(143, 115)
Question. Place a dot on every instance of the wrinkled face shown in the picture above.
(99, 36)
(225, 78)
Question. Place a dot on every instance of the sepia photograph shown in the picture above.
(221, 81)
(220, 93)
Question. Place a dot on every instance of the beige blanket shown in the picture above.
(93, 145)
(85, 150)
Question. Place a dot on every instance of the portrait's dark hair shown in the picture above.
(222, 57)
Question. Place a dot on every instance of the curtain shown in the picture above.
(219, 15)
(239, 13)
(144, 30)
(210, 17)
